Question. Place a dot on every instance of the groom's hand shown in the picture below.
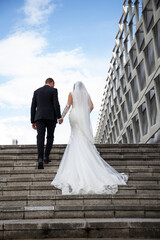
(34, 126)
(60, 121)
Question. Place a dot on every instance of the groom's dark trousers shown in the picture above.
(42, 126)
(45, 110)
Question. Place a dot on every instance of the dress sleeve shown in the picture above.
(67, 107)
(65, 110)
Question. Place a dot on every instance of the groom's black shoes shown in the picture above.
(47, 160)
(40, 163)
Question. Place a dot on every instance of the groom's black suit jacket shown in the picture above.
(45, 104)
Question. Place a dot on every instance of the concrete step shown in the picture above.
(18, 165)
(51, 169)
(46, 180)
(80, 228)
(117, 150)
(93, 239)
(80, 200)
(29, 203)
(59, 147)
(58, 157)
(80, 211)
(51, 190)
(49, 172)
(110, 151)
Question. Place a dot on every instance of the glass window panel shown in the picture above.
(134, 87)
(133, 56)
(149, 55)
(151, 94)
(129, 101)
(111, 138)
(106, 131)
(139, 9)
(108, 123)
(110, 118)
(120, 121)
(132, 27)
(125, 22)
(136, 128)
(116, 83)
(114, 135)
(124, 138)
(148, 16)
(115, 64)
(143, 107)
(116, 105)
(112, 75)
(119, 95)
(109, 104)
(140, 38)
(126, 44)
(130, 134)
(157, 83)
(118, 73)
(110, 85)
(128, 72)
(123, 84)
(114, 93)
(124, 112)
(155, 138)
(111, 101)
(144, 120)
(152, 106)
(113, 113)
(141, 75)
(157, 37)
(122, 37)
(117, 129)
(122, 60)
(118, 51)
(157, 3)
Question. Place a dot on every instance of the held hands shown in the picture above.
(34, 126)
(60, 121)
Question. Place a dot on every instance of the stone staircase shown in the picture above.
(30, 208)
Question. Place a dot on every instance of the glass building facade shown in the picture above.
(130, 109)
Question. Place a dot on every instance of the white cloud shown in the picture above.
(21, 132)
(14, 119)
(38, 11)
(26, 63)
(19, 52)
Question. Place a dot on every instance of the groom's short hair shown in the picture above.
(49, 80)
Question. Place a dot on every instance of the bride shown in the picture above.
(82, 170)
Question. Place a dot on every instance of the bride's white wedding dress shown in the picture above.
(82, 170)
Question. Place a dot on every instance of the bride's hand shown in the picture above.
(34, 126)
(60, 121)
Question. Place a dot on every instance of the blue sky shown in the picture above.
(69, 40)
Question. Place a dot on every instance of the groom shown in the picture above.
(45, 111)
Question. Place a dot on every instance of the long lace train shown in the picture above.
(83, 171)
